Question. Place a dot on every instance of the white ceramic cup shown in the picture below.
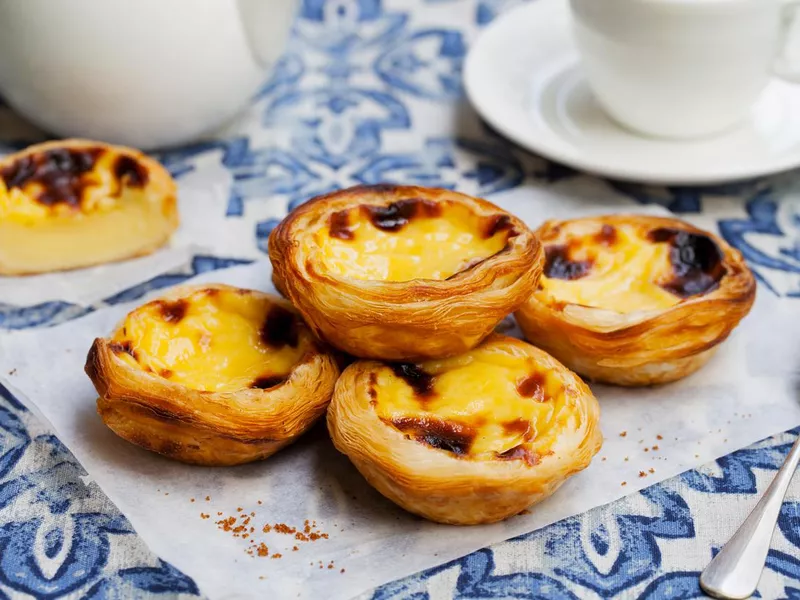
(146, 73)
(681, 68)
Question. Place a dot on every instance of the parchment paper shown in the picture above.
(650, 435)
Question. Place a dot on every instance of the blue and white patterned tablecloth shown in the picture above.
(369, 91)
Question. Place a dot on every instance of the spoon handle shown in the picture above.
(735, 571)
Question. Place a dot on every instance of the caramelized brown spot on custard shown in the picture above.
(517, 427)
(437, 433)
(173, 312)
(420, 381)
(532, 386)
(280, 328)
(340, 225)
(607, 235)
(122, 347)
(165, 373)
(372, 389)
(696, 262)
(520, 453)
(558, 264)
(495, 224)
(267, 381)
(396, 215)
(59, 172)
(130, 171)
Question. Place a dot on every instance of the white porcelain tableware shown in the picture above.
(680, 68)
(149, 73)
(523, 76)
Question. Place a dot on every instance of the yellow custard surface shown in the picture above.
(218, 340)
(624, 275)
(96, 190)
(423, 248)
(491, 403)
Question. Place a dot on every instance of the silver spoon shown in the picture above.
(735, 571)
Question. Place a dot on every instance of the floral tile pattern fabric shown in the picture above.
(370, 91)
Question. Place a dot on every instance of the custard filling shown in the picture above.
(68, 182)
(215, 340)
(409, 239)
(617, 268)
(491, 403)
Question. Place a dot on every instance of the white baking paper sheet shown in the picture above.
(650, 434)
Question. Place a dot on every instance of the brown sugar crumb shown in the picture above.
(253, 514)
(219, 513)
(330, 565)
(659, 437)
(654, 448)
(623, 433)
(647, 449)
(262, 549)
(239, 509)
(267, 528)
(277, 555)
(283, 528)
(642, 474)
(295, 548)
(204, 515)
(624, 483)
(342, 570)
(259, 501)
(651, 470)
(301, 536)
(208, 498)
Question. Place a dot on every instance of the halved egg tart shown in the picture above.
(403, 273)
(74, 203)
(470, 439)
(635, 300)
(212, 375)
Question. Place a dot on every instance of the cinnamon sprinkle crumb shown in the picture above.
(623, 434)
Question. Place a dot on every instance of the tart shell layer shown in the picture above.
(666, 294)
(470, 439)
(195, 377)
(403, 273)
(75, 203)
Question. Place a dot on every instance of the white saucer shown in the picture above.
(524, 78)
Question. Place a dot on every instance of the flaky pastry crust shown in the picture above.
(713, 290)
(74, 203)
(411, 319)
(207, 427)
(429, 463)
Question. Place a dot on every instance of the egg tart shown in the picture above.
(635, 300)
(75, 203)
(473, 438)
(212, 375)
(403, 273)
